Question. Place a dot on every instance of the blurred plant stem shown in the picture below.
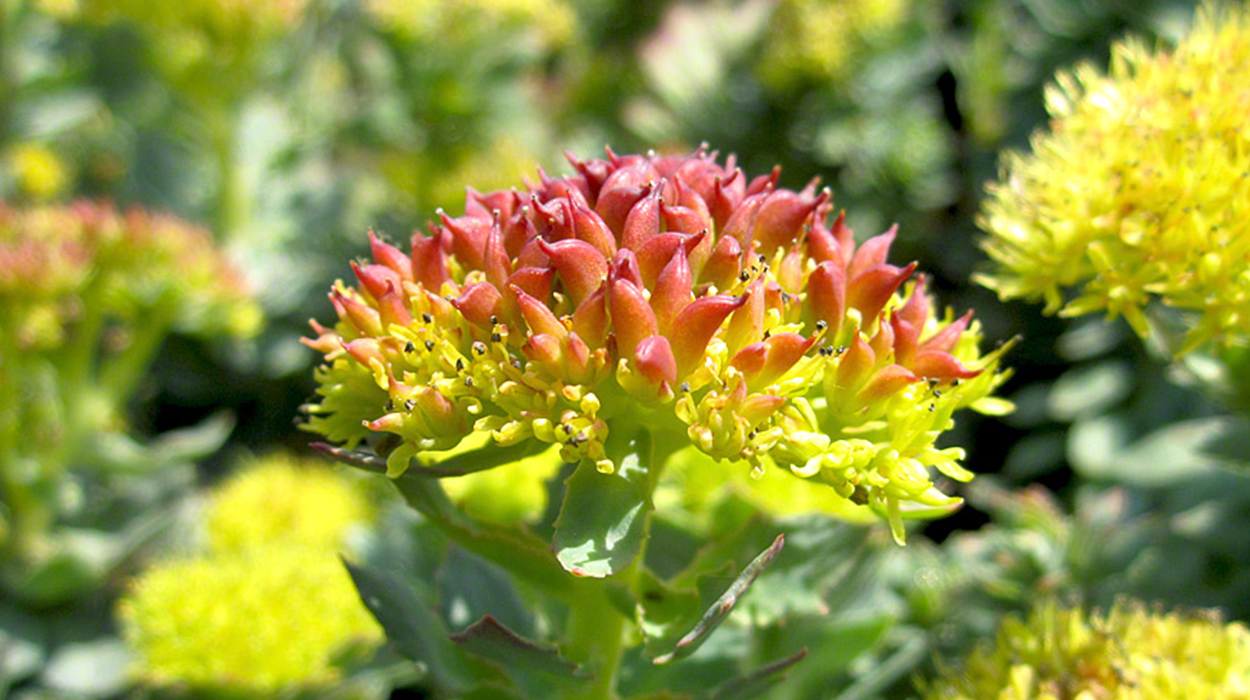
(26, 512)
(232, 206)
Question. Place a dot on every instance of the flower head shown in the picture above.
(280, 500)
(1135, 193)
(671, 292)
(251, 622)
(1130, 653)
(59, 264)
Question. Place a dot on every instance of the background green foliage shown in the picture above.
(1112, 477)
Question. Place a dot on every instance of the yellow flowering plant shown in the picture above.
(611, 318)
(87, 295)
(1132, 198)
(268, 607)
(1131, 652)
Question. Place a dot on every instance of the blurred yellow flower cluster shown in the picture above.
(81, 267)
(281, 499)
(1130, 653)
(815, 40)
(1137, 193)
(271, 605)
(552, 22)
(37, 172)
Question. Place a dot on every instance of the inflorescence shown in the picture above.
(667, 291)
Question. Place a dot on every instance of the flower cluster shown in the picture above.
(65, 267)
(271, 605)
(37, 172)
(817, 39)
(552, 22)
(280, 499)
(1130, 653)
(1135, 194)
(668, 292)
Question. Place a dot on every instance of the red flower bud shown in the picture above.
(389, 256)
(826, 296)
(672, 292)
(643, 220)
(479, 302)
(698, 322)
(653, 358)
(870, 291)
(632, 318)
(429, 267)
(581, 266)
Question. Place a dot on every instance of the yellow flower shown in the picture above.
(1136, 194)
(252, 622)
(817, 39)
(1130, 653)
(37, 171)
(278, 500)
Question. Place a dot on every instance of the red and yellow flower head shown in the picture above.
(670, 292)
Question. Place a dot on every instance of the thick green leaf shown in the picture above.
(490, 640)
(721, 607)
(411, 624)
(470, 588)
(602, 522)
(756, 683)
(119, 452)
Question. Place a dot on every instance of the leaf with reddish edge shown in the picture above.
(601, 526)
(758, 682)
(720, 608)
(490, 640)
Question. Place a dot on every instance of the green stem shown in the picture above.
(27, 514)
(120, 374)
(596, 636)
(231, 207)
(596, 632)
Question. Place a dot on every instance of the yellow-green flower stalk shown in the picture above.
(669, 295)
(1136, 192)
(282, 500)
(816, 40)
(248, 623)
(1129, 653)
